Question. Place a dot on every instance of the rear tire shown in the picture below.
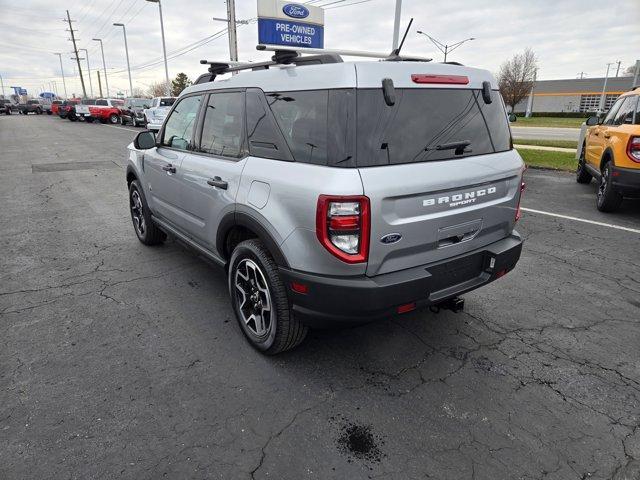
(114, 119)
(146, 231)
(608, 200)
(260, 301)
(582, 174)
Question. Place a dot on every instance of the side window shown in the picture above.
(223, 123)
(625, 114)
(265, 139)
(178, 129)
(608, 120)
(101, 102)
(302, 117)
(637, 121)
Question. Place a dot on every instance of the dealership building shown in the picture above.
(575, 95)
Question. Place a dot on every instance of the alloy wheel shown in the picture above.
(137, 213)
(253, 298)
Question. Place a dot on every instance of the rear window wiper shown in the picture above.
(459, 146)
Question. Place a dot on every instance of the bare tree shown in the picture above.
(137, 92)
(629, 71)
(157, 89)
(516, 77)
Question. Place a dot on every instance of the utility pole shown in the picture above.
(582, 75)
(99, 83)
(64, 83)
(603, 97)
(446, 49)
(164, 47)
(104, 66)
(396, 24)
(618, 69)
(530, 102)
(2, 83)
(75, 50)
(86, 56)
(126, 51)
(636, 76)
(233, 39)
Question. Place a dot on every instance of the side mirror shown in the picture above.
(594, 120)
(145, 140)
(512, 117)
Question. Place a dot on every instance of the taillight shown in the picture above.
(440, 79)
(518, 211)
(633, 149)
(343, 225)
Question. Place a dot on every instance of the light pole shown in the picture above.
(104, 65)
(164, 48)
(2, 83)
(396, 24)
(603, 97)
(86, 55)
(445, 48)
(126, 50)
(64, 83)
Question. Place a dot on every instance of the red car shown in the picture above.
(107, 110)
(55, 105)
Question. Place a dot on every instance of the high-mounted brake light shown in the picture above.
(440, 79)
(633, 149)
(342, 226)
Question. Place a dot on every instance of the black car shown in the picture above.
(32, 106)
(133, 111)
(67, 109)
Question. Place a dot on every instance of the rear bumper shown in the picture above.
(626, 181)
(344, 300)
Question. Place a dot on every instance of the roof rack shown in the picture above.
(281, 57)
(350, 53)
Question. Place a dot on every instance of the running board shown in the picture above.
(188, 241)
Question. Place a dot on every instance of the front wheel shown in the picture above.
(608, 199)
(114, 118)
(260, 300)
(147, 231)
(582, 174)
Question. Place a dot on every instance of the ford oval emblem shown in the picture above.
(294, 10)
(391, 238)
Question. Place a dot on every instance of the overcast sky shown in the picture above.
(569, 36)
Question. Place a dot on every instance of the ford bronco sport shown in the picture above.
(610, 152)
(334, 192)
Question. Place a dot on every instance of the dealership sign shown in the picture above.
(290, 24)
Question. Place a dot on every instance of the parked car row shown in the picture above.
(38, 107)
(147, 112)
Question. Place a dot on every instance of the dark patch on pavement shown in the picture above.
(358, 441)
(69, 166)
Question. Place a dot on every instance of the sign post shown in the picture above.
(290, 24)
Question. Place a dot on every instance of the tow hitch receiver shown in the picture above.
(455, 304)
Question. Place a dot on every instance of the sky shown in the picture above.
(568, 36)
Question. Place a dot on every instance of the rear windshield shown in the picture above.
(356, 128)
(88, 102)
(167, 102)
(138, 102)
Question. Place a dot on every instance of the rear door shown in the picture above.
(163, 164)
(597, 136)
(439, 171)
(210, 175)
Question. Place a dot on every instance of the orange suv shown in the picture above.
(611, 152)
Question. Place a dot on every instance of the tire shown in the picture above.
(114, 118)
(607, 200)
(146, 231)
(122, 121)
(73, 118)
(39, 111)
(146, 123)
(582, 174)
(253, 270)
(88, 119)
(48, 112)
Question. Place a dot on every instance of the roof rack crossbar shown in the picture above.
(349, 53)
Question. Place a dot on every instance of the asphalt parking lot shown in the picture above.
(122, 361)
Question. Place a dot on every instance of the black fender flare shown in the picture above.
(131, 172)
(607, 154)
(242, 219)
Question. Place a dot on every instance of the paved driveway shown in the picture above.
(121, 361)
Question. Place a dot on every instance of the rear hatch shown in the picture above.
(437, 165)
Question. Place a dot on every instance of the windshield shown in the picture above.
(166, 102)
(139, 102)
(117, 103)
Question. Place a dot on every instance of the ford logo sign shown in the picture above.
(294, 10)
(391, 238)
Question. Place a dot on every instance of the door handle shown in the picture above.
(218, 183)
(169, 168)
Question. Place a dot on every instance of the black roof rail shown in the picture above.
(281, 57)
(453, 63)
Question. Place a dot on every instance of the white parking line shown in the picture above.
(121, 128)
(592, 222)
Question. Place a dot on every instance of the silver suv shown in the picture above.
(334, 193)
